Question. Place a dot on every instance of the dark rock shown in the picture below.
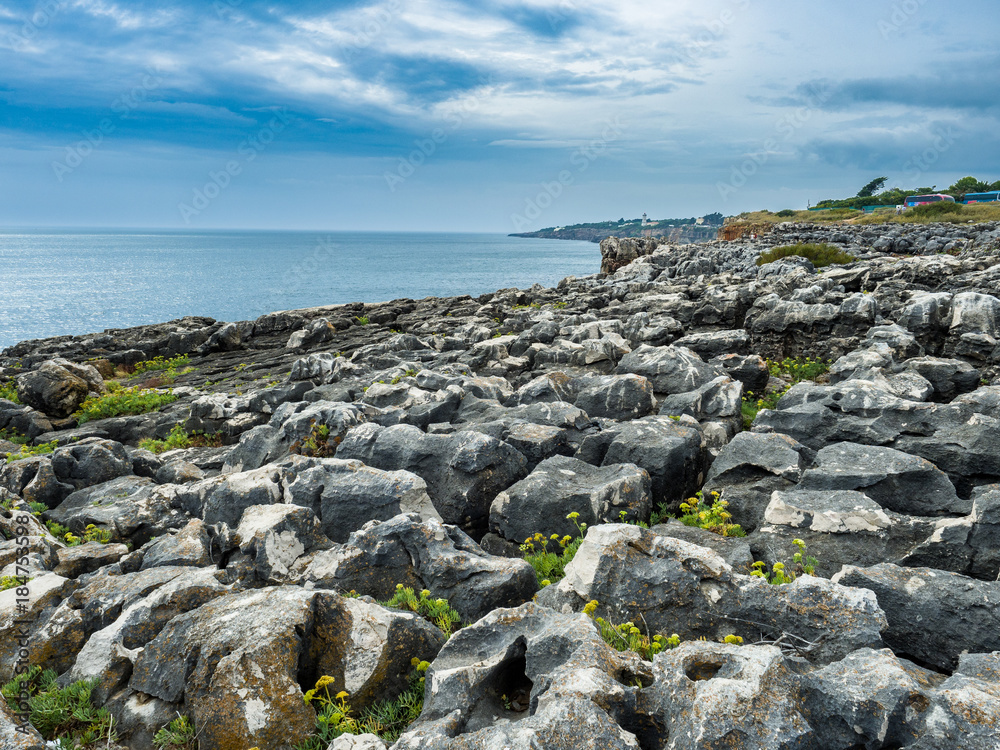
(562, 485)
(620, 397)
(933, 616)
(670, 369)
(52, 389)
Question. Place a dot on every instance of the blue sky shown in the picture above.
(502, 115)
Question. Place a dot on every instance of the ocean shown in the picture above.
(56, 282)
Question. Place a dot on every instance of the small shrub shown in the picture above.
(627, 637)
(820, 254)
(317, 443)
(935, 209)
(780, 574)
(8, 391)
(177, 735)
(797, 369)
(123, 401)
(10, 582)
(435, 611)
(27, 451)
(178, 438)
(714, 517)
(362, 320)
(64, 713)
(387, 719)
(785, 213)
(13, 436)
(551, 566)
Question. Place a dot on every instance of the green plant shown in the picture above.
(159, 363)
(362, 320)
(179, 734)
(178, 438)
(785, 213)
(436, 611)
(63, 713)
(560, 305)
(551, 566)
(714, 517)
(27, 451)
(8, 391)
(780, 574)
(387, 719)
(10, 582)
(936, 209)
(317, 443)
(791, 369)
(13, 436)
(123, 401)
(820, 254)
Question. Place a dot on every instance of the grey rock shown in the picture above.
(562, 485)
(52, 389)
(734, 550)
(933, 617)
(949, 377)
(86, 558)
(672, 586)
(716, 343)
(670, 369)
(420, 554)
(275, 536)
(620, 397)
(895, 480)
(190, 545)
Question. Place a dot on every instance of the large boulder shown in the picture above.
(670, 369)
(562, 485)
(464, 471)
(933, 616)
(236, 665)
(53, 389)
(673, 586)
(420, 554)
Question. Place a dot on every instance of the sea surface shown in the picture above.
(56, 282)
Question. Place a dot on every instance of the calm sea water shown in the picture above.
(71, 282)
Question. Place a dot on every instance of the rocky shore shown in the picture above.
(340, 455)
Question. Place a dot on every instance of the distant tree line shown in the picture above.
(869, 195)
(713, 218)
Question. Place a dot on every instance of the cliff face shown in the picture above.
(676, 235)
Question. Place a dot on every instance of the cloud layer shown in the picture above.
(443, 114)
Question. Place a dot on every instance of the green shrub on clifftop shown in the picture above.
(123, 401)
(820, 254)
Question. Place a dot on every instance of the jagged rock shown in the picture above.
(721, 695)
(750, 468)
(949, 377)
(536, 442)
(555, 673)
(718, 400)
(275, 536)
(319, 331)
(464, 471)
(670, 369)
(44, 595)
(750, 370)
(421, 554)
(235, 664)
(11, 735)
(53, 389)
(131, 508)
(86, 558)
(895, 480)
(716, 343)
(189, 546)
(23, 420)
(562, 485)
(672, 453)
(869, 699)
(357, 742)
(547, 387)
(620, 397)
(965, 710)
(676, 587)
(734, 550)
(291, 423)
(933, 617)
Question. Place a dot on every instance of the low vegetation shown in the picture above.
(820, 255)
(714, 517)
(792, 370)
(63, 714)
(387, 719)
(178, 438)
(13, 436)
(179, 734)
(802, 564)
(317, 443)
(550, 565)
(435, 611)
(122, 401)
(27, 451)
(8, 391)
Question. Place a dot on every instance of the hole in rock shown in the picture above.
(702, 668)
(505, 693)
(639, 715)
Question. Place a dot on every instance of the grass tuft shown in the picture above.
(820, 254)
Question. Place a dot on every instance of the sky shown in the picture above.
(493, 116)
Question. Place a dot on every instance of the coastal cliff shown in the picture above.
(237, 522)
(677, 235)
